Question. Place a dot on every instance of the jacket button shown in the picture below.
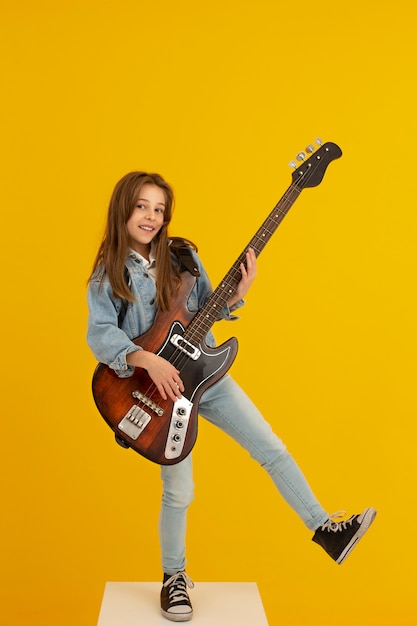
(146, 275)
(152, 301)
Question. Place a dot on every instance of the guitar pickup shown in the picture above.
(185, 346)
(134, 422)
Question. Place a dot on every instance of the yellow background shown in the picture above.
(217, 97)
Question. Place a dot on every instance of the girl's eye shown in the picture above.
(143, 207)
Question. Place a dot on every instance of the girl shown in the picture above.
(137, 271)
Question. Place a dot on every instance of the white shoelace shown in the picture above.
(179, 581)
(333, 525)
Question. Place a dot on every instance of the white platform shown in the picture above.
(214, 604)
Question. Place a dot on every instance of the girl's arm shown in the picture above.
(111, 345)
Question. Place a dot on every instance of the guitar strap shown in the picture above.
(186, 259)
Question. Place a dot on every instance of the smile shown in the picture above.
(147, 228)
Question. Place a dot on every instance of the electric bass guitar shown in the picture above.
(165, 431)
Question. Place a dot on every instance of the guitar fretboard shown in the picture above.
(210, 312)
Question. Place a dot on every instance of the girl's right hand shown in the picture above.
(164, 375)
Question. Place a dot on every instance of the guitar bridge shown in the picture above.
(134, 422)
(150, 403)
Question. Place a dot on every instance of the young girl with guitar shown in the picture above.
(136, 296)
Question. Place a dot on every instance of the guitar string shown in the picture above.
(200, 325)
(258, 242)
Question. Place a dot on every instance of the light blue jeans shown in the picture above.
(227, 406)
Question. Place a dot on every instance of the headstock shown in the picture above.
(312, 169)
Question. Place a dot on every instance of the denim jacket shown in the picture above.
(109, 338)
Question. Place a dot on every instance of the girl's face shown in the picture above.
(147, 218)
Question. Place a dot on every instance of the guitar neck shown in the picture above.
(209, 313)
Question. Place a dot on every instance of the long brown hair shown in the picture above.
(114, 248)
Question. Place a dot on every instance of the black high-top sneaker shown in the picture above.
(175, 602)
(339, 538)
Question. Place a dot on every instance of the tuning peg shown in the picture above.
(301, 156)
(319, 141)
(310, 148)
(293, 164)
